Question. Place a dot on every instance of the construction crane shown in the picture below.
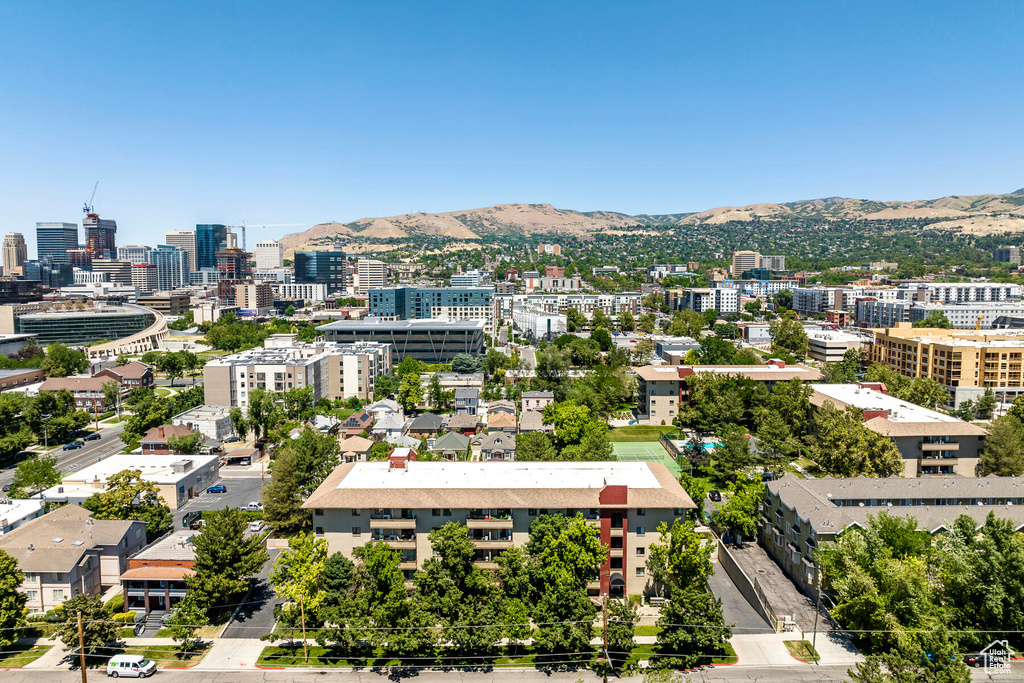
(242, 226)
(87, 207)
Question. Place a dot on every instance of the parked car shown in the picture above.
(232, 439)
(73, 446)
(256, 526)
(252, 507)
(7, 487)
(715, 496)
(92, 437)
(131, 666)
(217, 488)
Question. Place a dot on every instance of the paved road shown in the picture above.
(529, 356)
(256, 616)
(70, 461)
(797, 674)
(735, 607)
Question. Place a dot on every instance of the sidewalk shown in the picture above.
(763, 649)
(232, 654)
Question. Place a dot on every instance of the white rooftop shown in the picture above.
(155, 468)
(869, 399)
(820, 334)
(14, 510)
(500, 475)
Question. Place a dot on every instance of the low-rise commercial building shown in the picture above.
(213, 422)
(167, 304)
(15, 512)
(801, 515)
(157, 441)
(15, 379)
(430, 341)
(931, 443)
(178, 478)
(66, 552)
(536, 324)
(829, 346)
(154, 580)
(497, 501)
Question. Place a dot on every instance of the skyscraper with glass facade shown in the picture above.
(55, 240)
(210, 238)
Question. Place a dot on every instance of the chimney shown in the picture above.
(872, 414)
(876, 386)
(780, 364)
(160, 432)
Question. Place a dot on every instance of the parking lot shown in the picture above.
(241, 490)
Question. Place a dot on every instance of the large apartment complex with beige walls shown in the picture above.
(332, 370)
(400, 501)
(964, 361)
(931, 443)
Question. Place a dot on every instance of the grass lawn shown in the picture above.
(638, 433)
(162, 391)
(212, 353)
(345, 413)
(19, 656)
(211, 631)
(322, 656)
(39, 629)
(168, 655)
(646, 630)
(802, 650)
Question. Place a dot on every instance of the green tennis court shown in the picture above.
(645, 451)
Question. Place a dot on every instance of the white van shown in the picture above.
(132, 666)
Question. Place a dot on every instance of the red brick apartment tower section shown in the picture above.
(611, 495)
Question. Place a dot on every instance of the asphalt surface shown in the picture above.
(70, 461)
(735, 608)
(255, 617)
(243, 488)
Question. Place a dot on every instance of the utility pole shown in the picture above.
(604, 636)
(81, 649)
(817, 609)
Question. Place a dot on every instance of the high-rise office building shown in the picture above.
(1007, 255)
(117, 271)
(136, 253)
(55, 239)
(268, 254)
(184, 239)
(232, 264)
(144, 277)
(372, 274)
(772, 262)
(171, 267)
(15, 252)
(100, 236)
(744, 260)
(322, 267)
(210, 238)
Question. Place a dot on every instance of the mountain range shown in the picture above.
(975, 213)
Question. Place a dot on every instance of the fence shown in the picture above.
(750, 589)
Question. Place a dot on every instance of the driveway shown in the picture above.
(256, 615)
(241, 491)
(782, 594)
(735, 608)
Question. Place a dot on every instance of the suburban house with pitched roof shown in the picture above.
(537, 400)
(464, 423)
(155, 578)
(502, 422)
(389, 426)
(497, 446)
(356, 423)
(533, 421)
(467, 400)
(156, 440)
(451, 446)
(355, 449)
(88, 391)
(426, 426)
(130, 375)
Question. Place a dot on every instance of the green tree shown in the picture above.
(575, 320)
(464, 599)
(986, 404)
(435, 392)
(225, 558)
(384, 386)
(710, 316)
(844, 371)
(12, 600)
(842, 446)
(734, 454)
(33, 475)
(681, 558)
(642, 351)
(298, 403)
(686, 324)
(627, 322)
(775, 440)
(692, 628)
(623, 616)
(262, 412)
(464, 363)
(300, 467)
(190, 362)
(112, 396)
(185, 623)
(783, 300)
(170, 364)
(935, 319)
(788, 336)
(97, 628)
(62, 361)
(298, 577)
(645, 323)
(187, 444)
(239, 422)
(1004, 448)
(410, 394)
(535, 446)
(129, 496)
(409, 366)
(290, 311)
(603, 338)
(741, 511)
(148, 411)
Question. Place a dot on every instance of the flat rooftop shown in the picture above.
(500, 475)
(761, 373)
(424, 324)
(838, 336)
(843, 395)
(177, 546)
(155, 468)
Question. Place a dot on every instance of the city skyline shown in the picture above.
(215, 115)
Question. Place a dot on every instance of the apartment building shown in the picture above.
(13, 379)
(931, 443)
(155, 579)
(372, 274)
(964, 361)
(306, 291)
(771, 262)
(554, 249)
(66, 552)
(1009, 255)
(761, 289)
(87, 391)
(721, 299)
(539, 325)
(609, 304)
(268, 254)
(331, 370)
(969, 316)
(800, 515)
(497, 501)
(258, 298)
(430, 341)
(963, 292)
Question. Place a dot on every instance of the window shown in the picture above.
(58, 595)
(356, 531)
(641, 512)
(355, 512)
(32, 595)
(319, 531)
(532, 512)
(436, 512)
(639, 571)
(640, 551)
(319, 512)
(640, 531)
(616, 563)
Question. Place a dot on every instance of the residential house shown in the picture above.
(155, 441)
(537, 400)
(355, 449)
(155, 578)
(88, 391)
(467, 400)
(403, 441)
(389, 425)
(66, 552)
(357, 423)
(383, 407)
(426, 426)
(451, 446)
(130, 375)
(213, 422)
(502, 422)
(498, 446)
(533, 421)
(327, 424)
(464, 423)
(501, 406)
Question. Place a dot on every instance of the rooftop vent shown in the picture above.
(78, 543)
(57, 539)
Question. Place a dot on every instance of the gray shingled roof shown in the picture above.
(69, 524)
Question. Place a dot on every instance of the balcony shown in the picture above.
(489, 519)
(407, 566)
(387, 523)
(399, 541)
(949, 446)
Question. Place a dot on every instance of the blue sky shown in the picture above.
(307, 112)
